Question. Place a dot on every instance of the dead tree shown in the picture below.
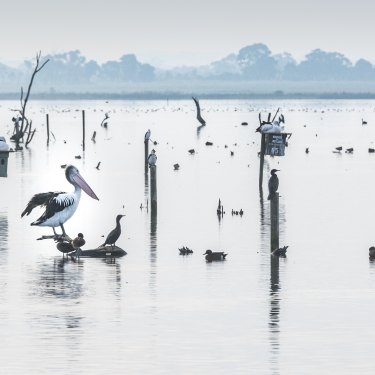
(25, 128)
(199, 117)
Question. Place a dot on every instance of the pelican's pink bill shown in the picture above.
(84, 186)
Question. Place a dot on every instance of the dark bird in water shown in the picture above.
(191, 151)
(371, 150)
(213, 256)
(114, 234)
(185, 250)
(371, 252)
(273, 184)
(349, 150)
(60, 206)
(364, 122)
(280, 252)
(176, 166)
(64, 246)
(307, 150)
(339, 148)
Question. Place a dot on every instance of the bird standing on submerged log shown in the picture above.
(152, 158)
(60, 206)
(273, 184)
(114, 235)
(64, 247)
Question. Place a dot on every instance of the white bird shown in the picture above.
(152, 158)
(60, 206)
(273, 127)
(147, 135)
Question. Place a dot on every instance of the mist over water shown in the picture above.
(156, 312)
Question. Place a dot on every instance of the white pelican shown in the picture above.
(60, 206)
(152, 158)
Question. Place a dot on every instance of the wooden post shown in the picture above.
(83, 130)
(47, 119)
(262, 151)
(146, 156)
(154, 198)
(275, 222)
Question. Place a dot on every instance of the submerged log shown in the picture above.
(101, 252)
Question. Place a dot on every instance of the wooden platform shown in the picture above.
(102, 252)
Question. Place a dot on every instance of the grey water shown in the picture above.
(154, 311)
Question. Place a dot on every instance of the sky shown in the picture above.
(168, 33)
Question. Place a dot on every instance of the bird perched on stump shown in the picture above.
(214, 256)
(78, 242)
(152, 159)
(273, 184)
(114, 235)
(64, 247)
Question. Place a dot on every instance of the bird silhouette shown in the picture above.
(214, 256)
(273, 184)
(114, 234)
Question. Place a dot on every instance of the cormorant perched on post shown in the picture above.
(273, 184)
(114, 234)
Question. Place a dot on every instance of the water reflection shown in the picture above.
(61, 279)
(3, 234)
(274, 315)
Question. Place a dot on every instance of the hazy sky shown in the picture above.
(176, 32)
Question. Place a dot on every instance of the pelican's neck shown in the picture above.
(77, 191)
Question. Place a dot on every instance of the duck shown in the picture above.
(371, 252)
(214, 256)
(185, 250)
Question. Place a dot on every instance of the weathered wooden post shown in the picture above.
(47, 120)
(83, 130)
(275, 221)
(154, 198)
(4, 155)
(262, 151)
(146, 156)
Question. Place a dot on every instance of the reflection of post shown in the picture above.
(262, 151)
(146, 156)
(47, 119)
(153, 184)
(275, 221)
(83, 130)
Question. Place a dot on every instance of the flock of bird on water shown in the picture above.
(60, 206)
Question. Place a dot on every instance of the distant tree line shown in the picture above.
(251, 63)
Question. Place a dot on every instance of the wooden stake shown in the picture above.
(146, 156)
(275, 222)
(262, 151)
(154, 198)
(47, 119)
(83, 130)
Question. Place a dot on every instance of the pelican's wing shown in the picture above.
(41, 199)
(56, 204)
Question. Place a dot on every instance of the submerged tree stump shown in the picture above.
(101, 252)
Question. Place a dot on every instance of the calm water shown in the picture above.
(156, 312)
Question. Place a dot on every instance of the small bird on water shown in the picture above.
(214, 256)
(114, 234)
(273, 184)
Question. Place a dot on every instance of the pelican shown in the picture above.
(152, 158)
(114, 234)
(147, 135)
(273, 184)
(273, 127)
(60, 206)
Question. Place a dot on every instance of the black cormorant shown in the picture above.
(273, 184)
(114, 234)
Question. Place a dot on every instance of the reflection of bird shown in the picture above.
(213, 256)
(64, 247)
(280, 251)
(152, 158)
(60, 206)
(273, 184)
(114, 234)
(147, 135)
